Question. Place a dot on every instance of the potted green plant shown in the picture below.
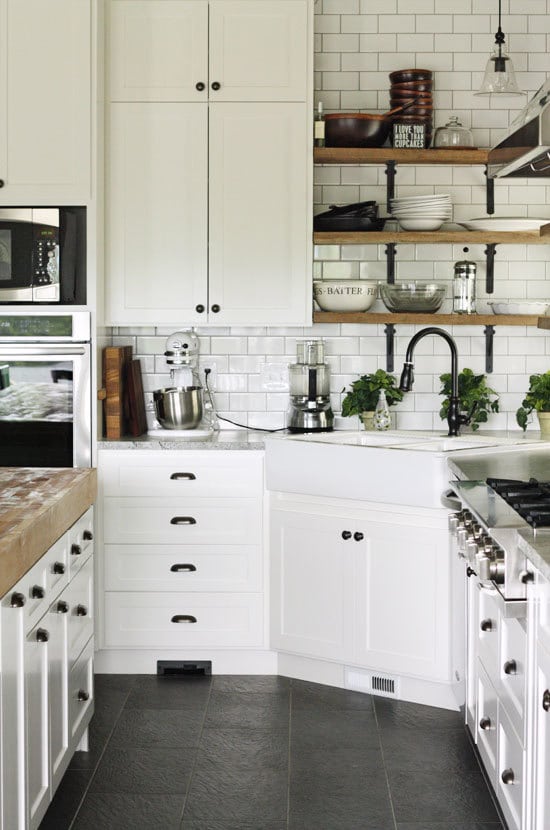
(362, 397)
(537, 399)
(477, 399)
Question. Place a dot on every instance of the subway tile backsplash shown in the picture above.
(357, 43)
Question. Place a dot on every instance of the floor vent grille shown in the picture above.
(184, 668)
(376, 684)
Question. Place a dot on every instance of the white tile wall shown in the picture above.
(357, 43)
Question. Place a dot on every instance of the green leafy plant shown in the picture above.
(363, 394)
(537, 398)
(472, 390)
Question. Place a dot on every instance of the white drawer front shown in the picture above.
(510, 772)
(81, 694)
(182, 521)
(487, 722)
(183, 620)
(513, 656)
(187, 474)
(79, 596)
(81, 545)
(34, 588)
(183, 568)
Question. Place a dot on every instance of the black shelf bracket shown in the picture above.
(389, 331)
(490, 187)
(390, 184)
(489, 336)
(490, 251)
(390, 262)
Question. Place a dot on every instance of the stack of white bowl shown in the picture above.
(422, 213)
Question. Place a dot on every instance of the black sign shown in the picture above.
(409, 136)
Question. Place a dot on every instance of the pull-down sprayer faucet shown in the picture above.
(454, 418)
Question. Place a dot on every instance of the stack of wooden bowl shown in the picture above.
(413, 85)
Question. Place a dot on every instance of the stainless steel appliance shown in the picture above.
(45, 389)
(525, 149)
(180, 407)
(43, 255)
(310, 409)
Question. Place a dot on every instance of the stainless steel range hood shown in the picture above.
(525, 150)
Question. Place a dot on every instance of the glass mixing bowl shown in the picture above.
(420, 297)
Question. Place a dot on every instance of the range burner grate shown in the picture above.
(531, 499)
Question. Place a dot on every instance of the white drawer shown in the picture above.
(79, 596)
(183, 620)
(183, 567)
(513, 658)
(81, 544)
(187, 474)
(182, 521)
(81, 695)
(487, 722)
(510, 773)
(488, 629)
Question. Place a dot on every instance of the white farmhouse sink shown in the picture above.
(406, 468)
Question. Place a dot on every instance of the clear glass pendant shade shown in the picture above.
(499, 78)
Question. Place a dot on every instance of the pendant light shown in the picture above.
(499, 78)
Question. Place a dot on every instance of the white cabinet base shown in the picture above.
(226, 661)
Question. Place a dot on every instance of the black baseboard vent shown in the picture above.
(184, 668)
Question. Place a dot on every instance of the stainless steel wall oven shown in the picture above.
(45, 389)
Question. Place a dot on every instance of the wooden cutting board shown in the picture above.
(137, 419)
(115, 362)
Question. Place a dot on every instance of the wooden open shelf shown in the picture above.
(463, 237)
(433, 319)
(381, 155)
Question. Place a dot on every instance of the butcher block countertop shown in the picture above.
(37, 506)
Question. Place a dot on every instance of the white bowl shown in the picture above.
(537, 308)
(416, 224)
(345, 295)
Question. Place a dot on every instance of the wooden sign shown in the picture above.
(409, 136)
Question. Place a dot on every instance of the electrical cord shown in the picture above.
(228, 420)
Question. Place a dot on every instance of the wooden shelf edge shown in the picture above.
(432, 319)
(434, 237)
(379, 155)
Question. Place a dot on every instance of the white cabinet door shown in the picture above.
(403, 616)
(158, 50)
(258, 50)
(157, 213)
(312, 584)
(45, 83)
(55, 622)
(36, 723)
(259, 268)
(12, 713)
(542, 740)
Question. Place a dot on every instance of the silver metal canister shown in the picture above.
(464, 287)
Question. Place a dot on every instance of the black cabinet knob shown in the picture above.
(76, 550)
(42, 636)
(83, 696)
(62, 607)
(485, 723)
(38, 592)
(2, 182)
(58, 568)
(81, 611)
(526, 577)
(486, 625)
(546, 700)
(215, 308)
(17, 600)
(358, 536)
(346, 534)
(87, 535)
(216, 85)
(199, 308)
(199, 86)
(510, 667)
(470, 572)
(508, 776)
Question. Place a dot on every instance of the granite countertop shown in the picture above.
(225, 439)
(37, 506)
(519, 464)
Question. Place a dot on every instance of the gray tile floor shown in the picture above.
(267, 753)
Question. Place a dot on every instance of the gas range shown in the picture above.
(531, 499)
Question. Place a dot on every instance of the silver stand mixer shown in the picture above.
(310, 409)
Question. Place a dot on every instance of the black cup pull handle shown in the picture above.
(183, 618)
(184, 566)
(183, 477)
(546, 700)
(183, 520)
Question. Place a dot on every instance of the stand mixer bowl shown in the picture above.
(178, 407)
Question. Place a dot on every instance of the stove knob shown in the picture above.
(461, 538)
(453, 523)
(471, 552)
(483, 567)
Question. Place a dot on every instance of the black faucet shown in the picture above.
(454, 418)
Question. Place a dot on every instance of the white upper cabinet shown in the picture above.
(208, 186)
(45, 101)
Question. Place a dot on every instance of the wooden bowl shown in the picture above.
(401, 75)
(356, 129)
(412, 86)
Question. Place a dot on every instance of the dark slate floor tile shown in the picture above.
(153, 692)
(349, 728)
(118, 811)
(115, 682)
(245, 746)
(468, 825)
(66, 801)
(259, 824)
(158, 727)
(144, 770)
(110, 699)
(399, 713)
(327, 697)
(406, 748)
(355, 763)
(98, 738)
(240, 794)
(442, 797)
(250, 683)
(263, 710)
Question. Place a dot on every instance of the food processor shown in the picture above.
(310, 409)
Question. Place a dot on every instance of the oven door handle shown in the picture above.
(39, 349)
(450, 500)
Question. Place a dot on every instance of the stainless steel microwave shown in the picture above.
(43, 255)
